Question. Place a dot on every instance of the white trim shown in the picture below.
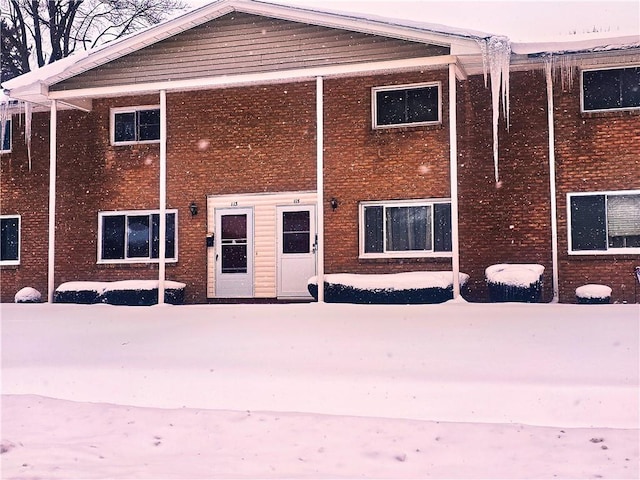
(612, 67)
(608, 251)
(53, 152)
(453, 179)
(3, 130)
(427, 202)
(552, 184)
(14, 262)
(133, 109)
(162, 227)
(284, 76)
(395, 88)
(127, 213)
(320, 186)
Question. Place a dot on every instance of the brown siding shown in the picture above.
(241, 43)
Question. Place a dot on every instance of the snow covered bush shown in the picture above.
(515, 282)
(593, 294)
(124, 292)
(28, 295)
(390, 288)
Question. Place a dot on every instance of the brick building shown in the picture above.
(222, 118)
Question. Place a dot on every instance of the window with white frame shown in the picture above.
(9, 239)
(414, 228)
(611, 89)
(135, 125)
(607, 222)
(134, 236)
(5, 134)
(406, 105)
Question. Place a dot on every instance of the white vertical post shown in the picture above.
(163, 197)
(53, 152)
(320, 186)
(453, 180)
(552, 183)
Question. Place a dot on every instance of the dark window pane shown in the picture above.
(588, 227)
(296, 242)
(9, 238)
(113, 237)
(170, 243)
(148, 124)
(138, 236)
(412, 105)
(612, 88)
(630, 86)
(6, 139)
(125, 127)
(442, 227)
(234, 258)
(408, 228)
(296, 221)
(373, 229)
(234, 227)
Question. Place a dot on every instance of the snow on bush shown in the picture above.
(514, 274)
(123, 292)
(28, 295)
(592, 290)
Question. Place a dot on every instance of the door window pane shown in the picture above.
(296, 234)
(234, 243)
(234, 227)
(234, 258)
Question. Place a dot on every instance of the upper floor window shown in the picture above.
(9, 239)
(413, 228)
(611, 89)
(406, 105)
(604, 222)
(5, 134)
(134, 236)
(135, 125)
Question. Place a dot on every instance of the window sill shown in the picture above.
(9, 266)
(125, 264)
(445, 255)
(611, 113)
(630, 252)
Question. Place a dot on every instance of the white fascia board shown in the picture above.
(258, 78)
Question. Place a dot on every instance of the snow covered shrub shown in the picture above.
(28, 295)
(593, 294)
(516, 282)
(392, 288)
(142, 293)
(85, 293)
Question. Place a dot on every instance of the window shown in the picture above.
(604, 222)
(5, 134)
(412, 228)
(406, 105)
(611, 89)
(9, 240)
(135, 125)
(134, 236)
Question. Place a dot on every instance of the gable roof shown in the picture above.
(34, 85)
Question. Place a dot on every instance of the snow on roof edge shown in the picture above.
(601, 44)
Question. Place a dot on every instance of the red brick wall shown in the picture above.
(508, 221)
(365, 164)
(594, 152)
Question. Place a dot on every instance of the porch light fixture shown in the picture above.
(193, 208)
(334, 203)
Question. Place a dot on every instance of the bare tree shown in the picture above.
(36, 33)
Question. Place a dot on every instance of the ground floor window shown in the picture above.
(5, 135)
(411, 228)
(9, 239)
(134, 236)
(607, 222)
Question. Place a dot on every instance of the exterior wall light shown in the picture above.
(193, 208)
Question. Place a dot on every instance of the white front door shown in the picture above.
(296, 250)
(234, 252)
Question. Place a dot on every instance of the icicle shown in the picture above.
(4, 117)
(28, 111)
(496, 57)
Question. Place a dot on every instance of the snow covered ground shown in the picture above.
(320, 391)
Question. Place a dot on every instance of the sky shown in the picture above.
(521, 21)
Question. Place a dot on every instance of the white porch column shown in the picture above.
(552, 183)
(453, 180)
(320, 186)
(163, 197)
(53, 152)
